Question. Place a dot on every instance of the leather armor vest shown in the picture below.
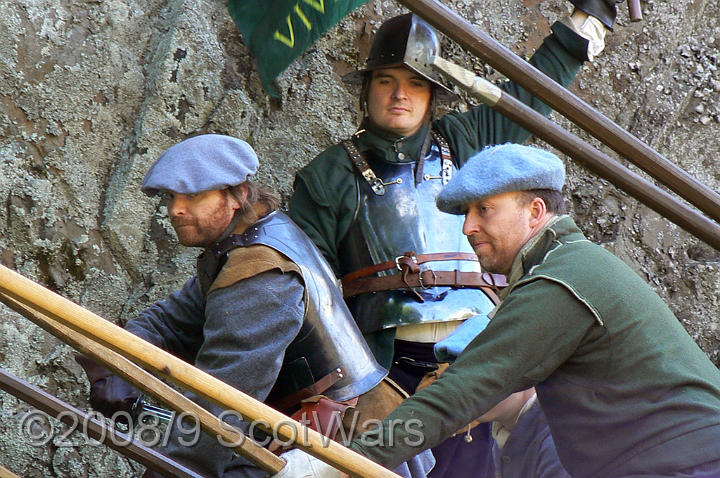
(329, 339)
(404, 218)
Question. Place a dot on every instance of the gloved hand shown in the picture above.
(603, 10)
(302, 465)
(108, 392)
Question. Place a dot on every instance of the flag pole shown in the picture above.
(562, 100)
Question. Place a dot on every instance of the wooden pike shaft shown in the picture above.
(181, 373)
(635, 10)
(150, 384)
(657, 199)
(5, 473)
(566, 103)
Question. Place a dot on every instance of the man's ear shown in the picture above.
(238, 197)
(538, 211)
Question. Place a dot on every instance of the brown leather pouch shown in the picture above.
(373, 406)
(321, 414)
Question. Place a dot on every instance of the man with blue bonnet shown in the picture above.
(626, 390)
(263, 312)
(408, 274)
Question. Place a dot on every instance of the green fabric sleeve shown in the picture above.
(471, 131)
(382, 346)
(324, 201)
(569, 39)
(522, 345)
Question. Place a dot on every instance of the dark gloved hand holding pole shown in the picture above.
(109, 394)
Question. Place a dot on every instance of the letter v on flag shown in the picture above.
(278, 31)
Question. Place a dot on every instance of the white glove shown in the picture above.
(302, 465)
(589, 28)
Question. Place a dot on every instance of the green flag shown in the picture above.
(278, 31)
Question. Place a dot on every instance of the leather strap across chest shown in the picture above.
(376, 184)
(358, 159)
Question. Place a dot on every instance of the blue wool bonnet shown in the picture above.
(500, 169)
(201, 163)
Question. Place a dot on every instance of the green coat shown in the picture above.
(624, 387)
(325, 200)
(325, 197)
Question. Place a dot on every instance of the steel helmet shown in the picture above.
(397, 40)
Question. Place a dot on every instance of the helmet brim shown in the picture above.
(443, 93)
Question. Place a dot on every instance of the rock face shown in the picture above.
(92, 92)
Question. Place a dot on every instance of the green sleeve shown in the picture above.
(469, 132)
(525, 342)
(324, 201)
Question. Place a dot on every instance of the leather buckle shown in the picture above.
(406, 264)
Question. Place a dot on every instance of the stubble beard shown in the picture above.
(490, 263)
(205, 231)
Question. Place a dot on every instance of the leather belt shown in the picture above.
(424, 279)
(316, 388)
(408, 260)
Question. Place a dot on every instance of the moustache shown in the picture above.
(473, 240)
(180, 222)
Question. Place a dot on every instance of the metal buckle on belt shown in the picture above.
(400, 263)
(416, 364)
(407, 263)
(434, 277)
(142, 412)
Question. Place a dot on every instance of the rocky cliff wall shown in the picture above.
(92, 92)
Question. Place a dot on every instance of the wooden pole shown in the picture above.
(93, 428)
(657, 199)
(181, 373)
(635, 10)
(5, 473)
(150, 384)
(593, 122)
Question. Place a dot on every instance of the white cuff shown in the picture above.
(589, 28)
(427, 333)
(301, 465)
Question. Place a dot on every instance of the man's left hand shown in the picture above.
(603, 10)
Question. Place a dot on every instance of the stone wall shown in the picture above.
(93, 91)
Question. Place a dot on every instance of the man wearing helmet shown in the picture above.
(409, 276)
(263, 313)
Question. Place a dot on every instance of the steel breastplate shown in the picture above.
(405, 218)
(329, 337)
